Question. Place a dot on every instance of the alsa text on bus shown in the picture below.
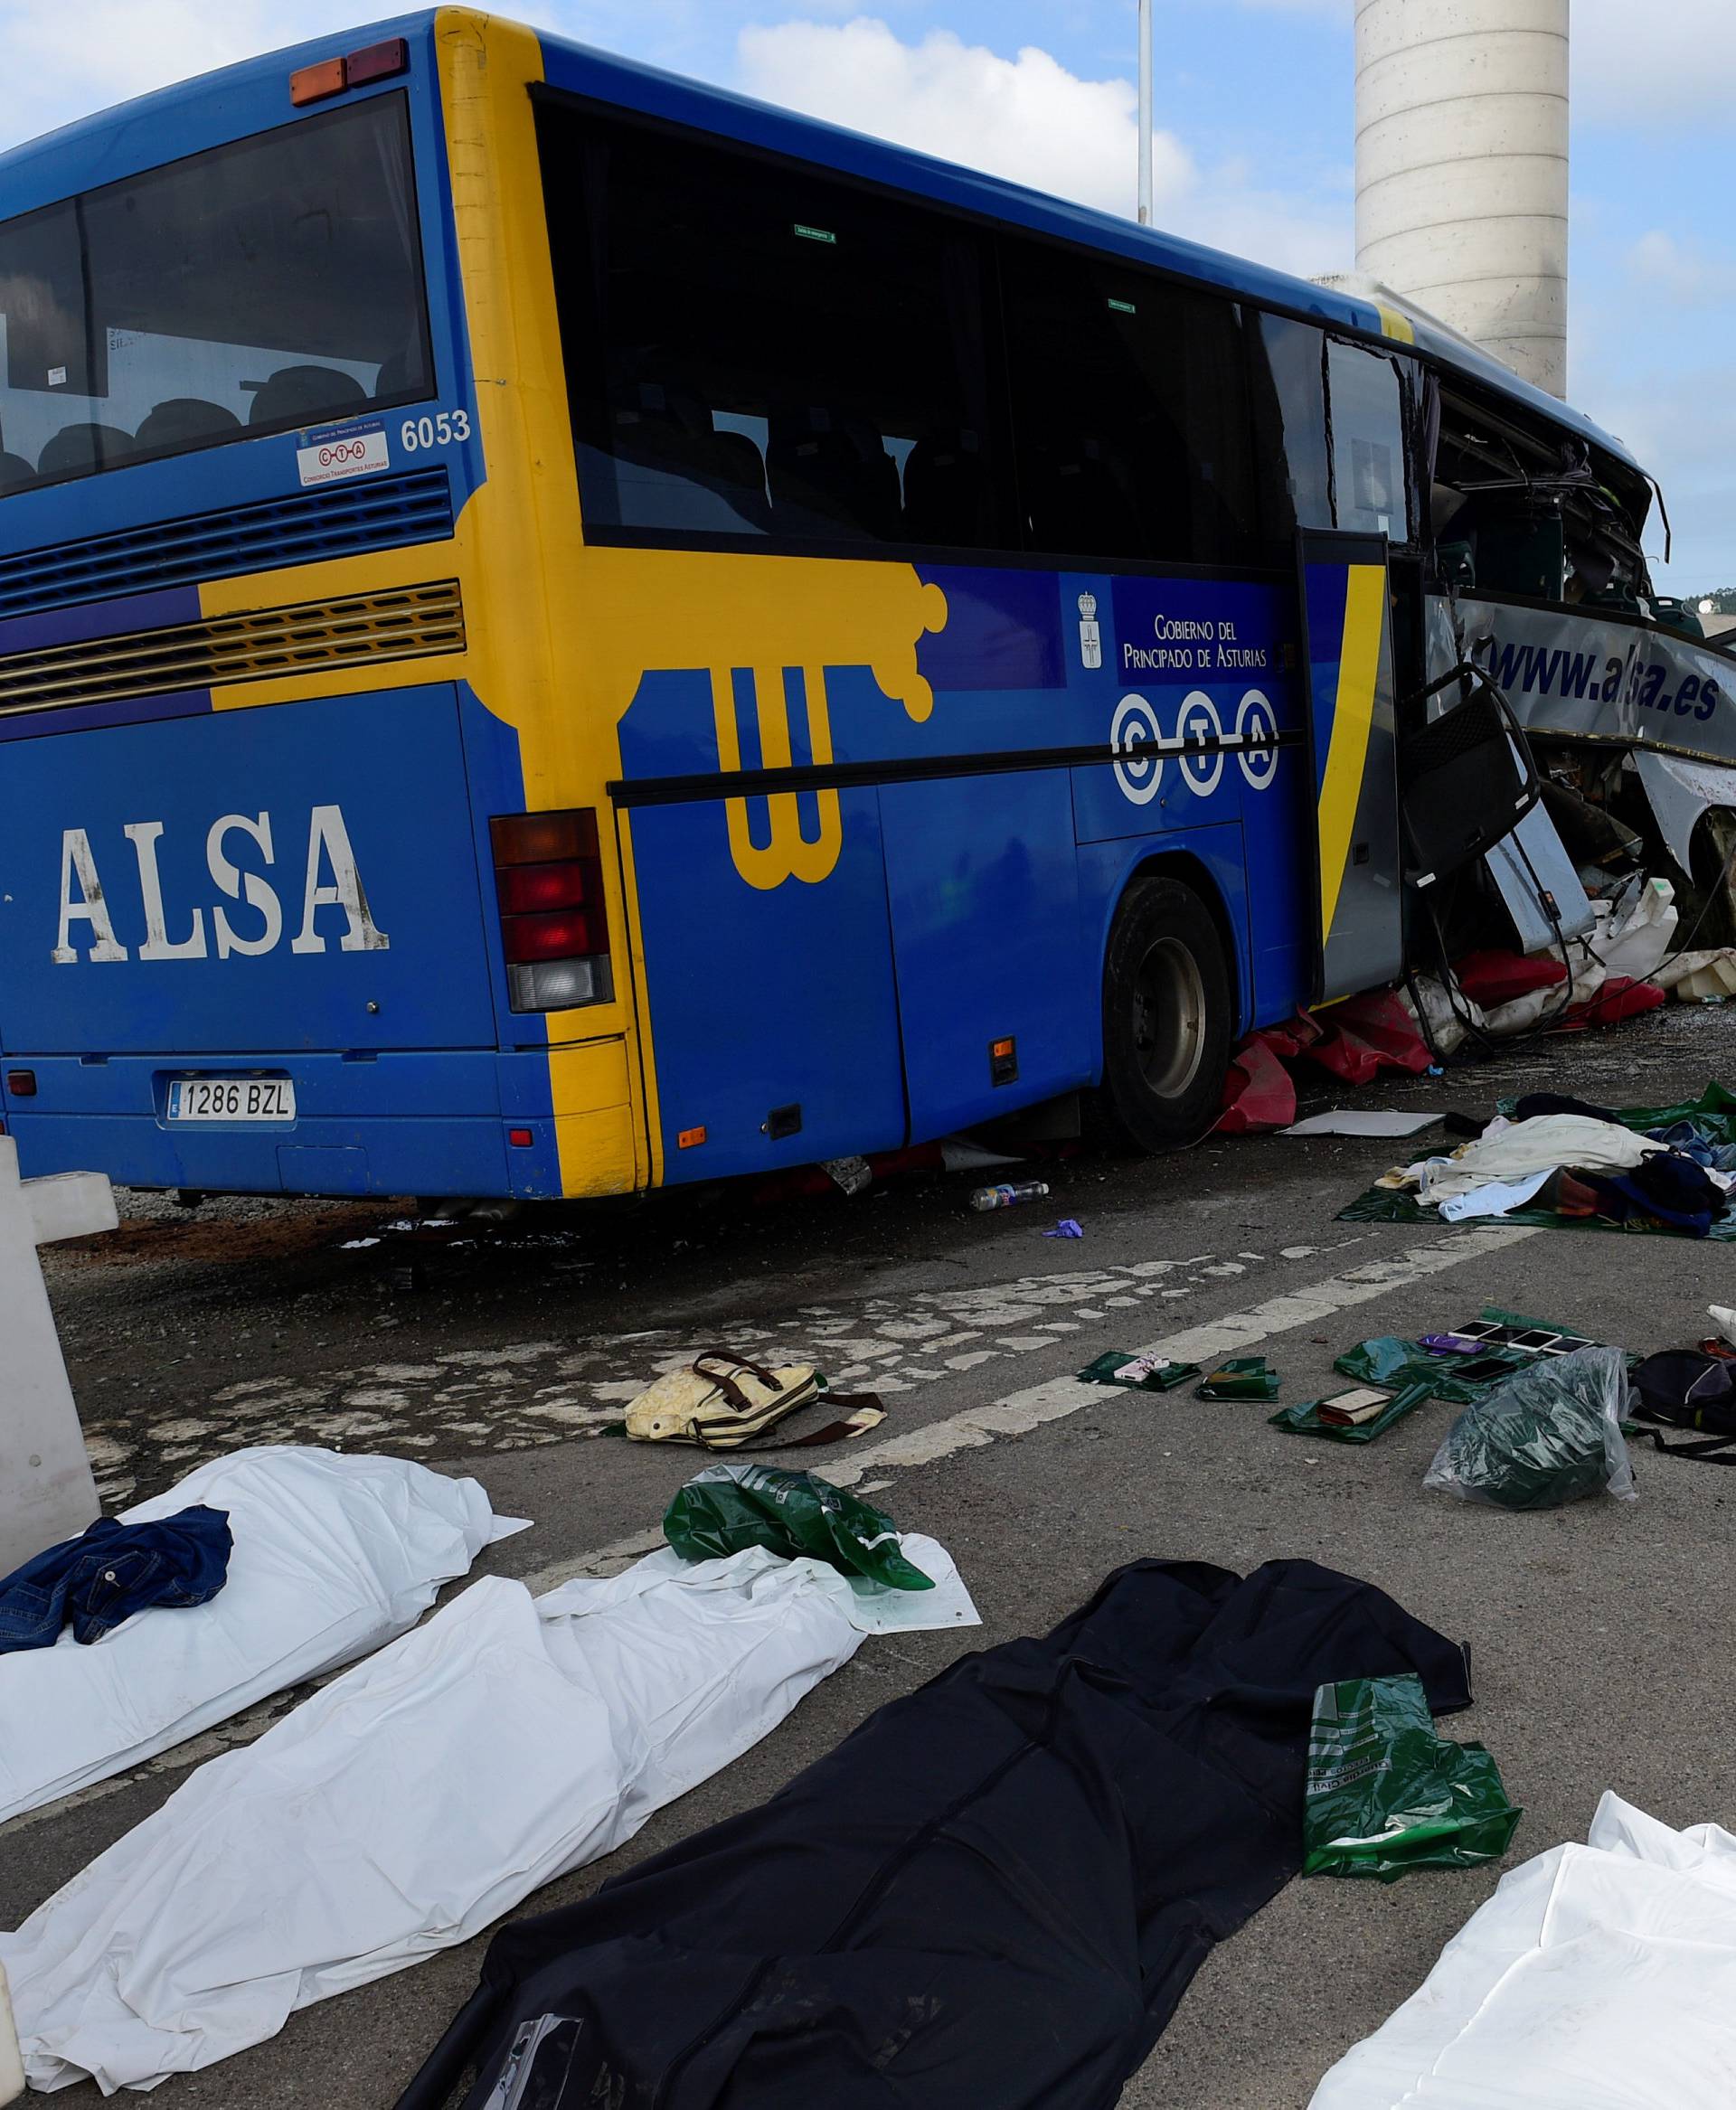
(179, 931)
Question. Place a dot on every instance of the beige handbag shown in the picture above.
(724, 1402)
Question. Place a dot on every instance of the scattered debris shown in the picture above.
(1559, 1164)
(1008, 1194)
(1335, 1422)
(1386, 1795)
(1245, 1377)
(1140, 1373)
(1550, 1435)
(727, 1508)
(1689, 1389)
(725, 1402)
(1461, 1380)
(853, 1176)
(1066, 1227)
(110, 1572)
(1344, 1121)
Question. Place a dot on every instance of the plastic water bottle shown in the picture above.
(1007, 1194)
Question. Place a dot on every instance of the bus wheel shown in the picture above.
(1166, 1019)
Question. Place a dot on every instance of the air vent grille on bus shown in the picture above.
(341, 520)
(263, 646)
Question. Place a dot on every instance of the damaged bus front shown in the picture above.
(1540, 583)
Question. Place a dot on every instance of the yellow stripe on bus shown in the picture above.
(1340, 790)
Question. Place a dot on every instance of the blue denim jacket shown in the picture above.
(112, 1571)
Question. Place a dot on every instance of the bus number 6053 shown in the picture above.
(445, 430)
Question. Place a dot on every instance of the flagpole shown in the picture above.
(1145, 113)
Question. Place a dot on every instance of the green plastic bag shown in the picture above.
(1385, 1795)
(1550, 1435)
(726, 1508)
(1245, 1378)
(1161, 1378)
(1397, 1364)
(1305, 1420)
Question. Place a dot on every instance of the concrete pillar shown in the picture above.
(46, 1490)
(1461, 168)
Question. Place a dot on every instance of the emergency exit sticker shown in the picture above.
(344, 450)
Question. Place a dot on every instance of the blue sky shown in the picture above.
(1254, 109)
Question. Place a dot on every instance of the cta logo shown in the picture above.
(329, 880)
(353, 451)
(1197, 742)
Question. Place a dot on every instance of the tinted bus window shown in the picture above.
(268, 285)
(1289, 394)
(1368, 476)
(753, 350)
(1130, 412)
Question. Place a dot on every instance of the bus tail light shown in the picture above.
(553, 927)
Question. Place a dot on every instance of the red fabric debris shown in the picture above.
(1490, 978)
(1368, 1034)
(1294, 1037)
(1621, 997)
(1258, 1092)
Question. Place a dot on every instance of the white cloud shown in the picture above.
(64, 60)
(1027, 118)
(1031, 120)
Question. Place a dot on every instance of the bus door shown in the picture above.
(1347, 652)
(997, 1000)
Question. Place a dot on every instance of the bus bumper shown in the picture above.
(363, 1125)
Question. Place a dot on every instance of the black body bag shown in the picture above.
(994, 1891)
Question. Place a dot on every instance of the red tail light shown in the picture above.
(527, 889)
(548, 879)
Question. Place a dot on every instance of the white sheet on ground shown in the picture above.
(422, 1794)
(333, 1556)
(1597, 1977)
(1496, 1199)
(1510, 1150)
(1359, 1121)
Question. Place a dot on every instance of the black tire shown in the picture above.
(1166, 1020)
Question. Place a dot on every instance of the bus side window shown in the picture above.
(756, 350)
(1130, 412)
(1289, 397)
(1368, 473)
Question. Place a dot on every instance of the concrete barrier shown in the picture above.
(46, 1490)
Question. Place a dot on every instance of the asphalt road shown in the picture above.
(1599, 1636)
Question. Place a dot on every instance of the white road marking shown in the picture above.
(1020, 1412)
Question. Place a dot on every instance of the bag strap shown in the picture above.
(1713, 1450)
(731, 1392)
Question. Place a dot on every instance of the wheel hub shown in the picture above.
(1169, 1018)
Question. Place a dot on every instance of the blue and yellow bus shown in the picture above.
(562, 631)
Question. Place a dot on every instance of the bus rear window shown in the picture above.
(260, 287)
